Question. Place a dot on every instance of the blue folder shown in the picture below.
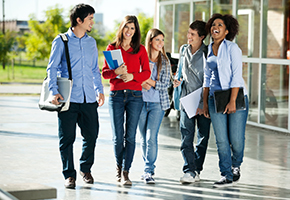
(114, 58)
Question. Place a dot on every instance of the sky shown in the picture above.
(112, 9)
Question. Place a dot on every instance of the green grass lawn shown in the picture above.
(26, 74)
(22, 74)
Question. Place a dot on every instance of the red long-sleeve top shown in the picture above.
(137, 64)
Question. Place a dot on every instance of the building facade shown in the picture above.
(20, 26)
(264, 39)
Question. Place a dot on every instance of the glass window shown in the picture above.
(250, 74)
(181, 24)
(224, 7)
(248, 16)
(276, 29)
(201, 11)
(166, 25)
(274, 95)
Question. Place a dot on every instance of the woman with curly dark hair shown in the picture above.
(224, 71)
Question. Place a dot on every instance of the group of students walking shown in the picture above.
(138, 96)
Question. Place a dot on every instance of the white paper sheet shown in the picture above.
(191, 101)
(117, 55)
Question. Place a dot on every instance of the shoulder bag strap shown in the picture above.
(181, 62)
(65, 41)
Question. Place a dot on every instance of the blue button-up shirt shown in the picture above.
(229, 67)
(86, 75)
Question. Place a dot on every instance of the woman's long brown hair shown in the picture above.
(136, 39)
(152, 33)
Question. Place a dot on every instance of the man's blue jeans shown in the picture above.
(229, 131)
(193, 161)
(149, 124)
(86, 116)
(125, 105)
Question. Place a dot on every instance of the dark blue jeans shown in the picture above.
(125, 105)
(193, 160)
(86, 116)
(229, 130)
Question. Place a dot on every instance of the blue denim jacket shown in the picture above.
(84, 64)
(229, 64)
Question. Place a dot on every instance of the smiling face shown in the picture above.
(193, 38)
(157, 43)
(218, 30)
(128, 31)
(87, 24)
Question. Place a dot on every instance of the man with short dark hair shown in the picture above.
(87, 92)
(192, 61)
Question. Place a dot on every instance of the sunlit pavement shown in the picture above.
(29, 154)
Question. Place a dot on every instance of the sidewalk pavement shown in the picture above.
(29, 155)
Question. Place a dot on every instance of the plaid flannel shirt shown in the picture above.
(163, 83)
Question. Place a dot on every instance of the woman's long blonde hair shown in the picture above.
(152, 33)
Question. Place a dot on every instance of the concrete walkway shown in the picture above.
(29, 155)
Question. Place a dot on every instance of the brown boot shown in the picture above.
(118, 173)
(126, 180)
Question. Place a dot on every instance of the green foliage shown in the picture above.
(38, 42)
(110, 35)
(101, 42)
(145, 23)
(7, 42)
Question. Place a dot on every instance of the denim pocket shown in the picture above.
(113, 93)
(136, 93)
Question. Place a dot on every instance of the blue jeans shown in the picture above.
(193, 161)
(149, 124)
(86, 116)
(125, 105)
(229, 131)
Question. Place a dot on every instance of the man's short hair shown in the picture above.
(80, 11)
(199, 26)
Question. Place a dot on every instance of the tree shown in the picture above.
(38, 43)
(7, 42)
(101, 42)
(145, 23)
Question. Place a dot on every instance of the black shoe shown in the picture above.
(236, 174)
(223, 182)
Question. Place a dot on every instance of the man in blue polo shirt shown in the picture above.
(87, 92)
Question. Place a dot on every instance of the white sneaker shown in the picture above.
(187, 178)
(223, 182)
(148, 179)
(197, 177)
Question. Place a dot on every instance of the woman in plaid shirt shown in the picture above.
(156, 101)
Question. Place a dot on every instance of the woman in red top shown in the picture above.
(125, 101)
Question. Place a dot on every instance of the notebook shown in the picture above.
(222, 98)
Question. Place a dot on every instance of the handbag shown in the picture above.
(222, 98)
(64, 87)
(177, 90)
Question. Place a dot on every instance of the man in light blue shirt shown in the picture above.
(87, 92)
